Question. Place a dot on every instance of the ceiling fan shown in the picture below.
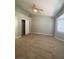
(35, 8)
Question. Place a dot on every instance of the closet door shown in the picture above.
(27, 27)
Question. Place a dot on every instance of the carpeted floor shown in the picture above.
(34, 46)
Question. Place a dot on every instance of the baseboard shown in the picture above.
(27, 34)
(58, 38)
(21, 36)
(42, 33)
(17, 37)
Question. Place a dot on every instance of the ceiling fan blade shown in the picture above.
(41, 9)
(34, 6)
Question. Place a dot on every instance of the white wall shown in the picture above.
(42, 24)
(22, 11)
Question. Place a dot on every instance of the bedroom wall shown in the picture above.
(42, 24)
(22, 11)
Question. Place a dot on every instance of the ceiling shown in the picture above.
(49, 6)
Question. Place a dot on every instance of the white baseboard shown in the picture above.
(27, 33)
(21, 36)
(17, 37)
(42, 33)
(58, 38)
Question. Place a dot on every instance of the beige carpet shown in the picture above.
(35, 46)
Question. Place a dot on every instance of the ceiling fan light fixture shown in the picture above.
(35, 10)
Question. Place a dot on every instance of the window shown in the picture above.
(60, 24)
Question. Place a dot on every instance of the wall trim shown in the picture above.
(17, 37)
(42, 33)
(58, 38)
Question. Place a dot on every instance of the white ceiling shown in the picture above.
(49, 6)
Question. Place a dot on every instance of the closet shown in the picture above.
(23, 26)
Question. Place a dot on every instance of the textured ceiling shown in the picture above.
(49, 6)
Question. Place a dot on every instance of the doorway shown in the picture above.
(23, 27)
